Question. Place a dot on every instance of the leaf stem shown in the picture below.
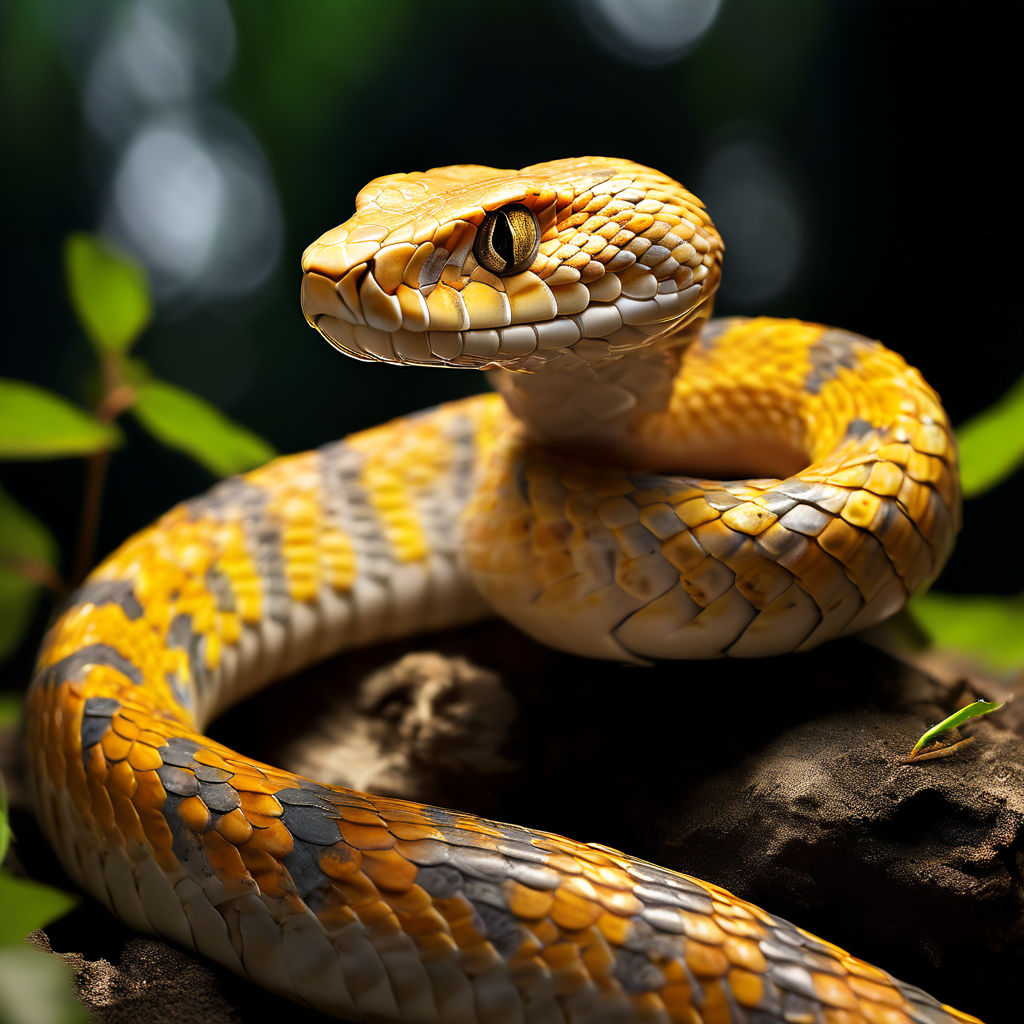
(117, 397)
(38, 572)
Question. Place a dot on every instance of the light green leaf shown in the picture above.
(24, 540)
(109, 292)
(992, 443)
(40, 424)
(973, 710)
(28, 905)
(35, 988)
(984, 627)
(189, 423)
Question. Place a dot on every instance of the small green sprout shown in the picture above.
(973, 710)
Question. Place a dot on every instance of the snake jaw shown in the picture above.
(624, 256)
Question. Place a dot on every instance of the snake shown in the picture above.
(643, 483)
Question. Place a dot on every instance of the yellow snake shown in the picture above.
(592, 278)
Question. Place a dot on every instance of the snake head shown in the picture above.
(472, 266)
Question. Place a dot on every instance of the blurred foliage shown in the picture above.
(189, 423)
(28, 554)
(38, 424)
(110, 295)
(35, 988)
(987, 628)
(992, 443)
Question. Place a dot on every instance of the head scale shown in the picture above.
(472, 266)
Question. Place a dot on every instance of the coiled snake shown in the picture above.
(593, 278)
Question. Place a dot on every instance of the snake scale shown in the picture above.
(585, 286)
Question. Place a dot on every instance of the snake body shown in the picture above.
(586, 518)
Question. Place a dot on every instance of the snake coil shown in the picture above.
(577, 503)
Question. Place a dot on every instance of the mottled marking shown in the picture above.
(96, 715)
(210, 773)
(440, 881)
(181, 635)
(219, 585)
(219, 796)
(722, 500)
(186, 844)
(833, 351)
(798, 1007)
(74, 665)
(181, 690)
(477, 891)
(532, 875)
(178, 780)
(233, 499)
(461, 434)
(180, 751)
(502, 928)
(311, 824)
(309, 794)
(101, 592)
(485, 864)
(792, 976)
(712, 330)
(303, 865)
(857, 429)
(635, 973)
(776, 502)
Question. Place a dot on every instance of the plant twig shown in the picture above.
(117, 397)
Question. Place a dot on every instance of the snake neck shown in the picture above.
(593, 408)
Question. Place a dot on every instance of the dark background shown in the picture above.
(854, 154)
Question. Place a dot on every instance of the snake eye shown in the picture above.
(507, 240)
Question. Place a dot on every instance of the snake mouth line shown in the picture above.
(597, 331)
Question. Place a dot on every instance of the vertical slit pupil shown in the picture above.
(502, 241)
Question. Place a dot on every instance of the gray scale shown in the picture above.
(177, 780)
(96, 715)
(440, 881)
(477, 863)
(180, 751)
(311, 824)
(101, 592)
(635, 973)
(72, 666)
(302, 863)
(180, 635)
(502, 929)
(221, 797)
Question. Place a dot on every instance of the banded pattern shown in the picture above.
(385, 910)
(609, 562)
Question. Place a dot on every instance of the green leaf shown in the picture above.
(39, 424)
(10, 709)
(28, 905)
(984, 627)
(24, 540)
(189, 423)
(109, 292)
(973, 710)
(5, 825)
(992, 443)
(35, 988)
